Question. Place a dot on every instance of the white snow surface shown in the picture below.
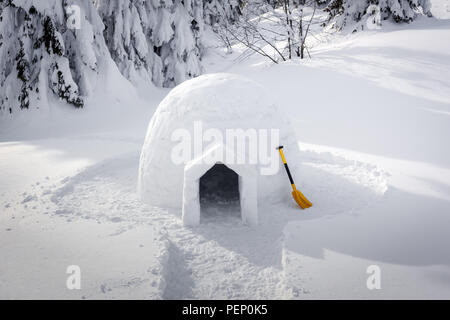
(371, 114)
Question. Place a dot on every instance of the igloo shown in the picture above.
(213, 140)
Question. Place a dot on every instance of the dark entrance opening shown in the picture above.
(219, 193)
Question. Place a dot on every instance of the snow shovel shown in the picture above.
(298, 196)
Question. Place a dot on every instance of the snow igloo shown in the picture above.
(210, 150)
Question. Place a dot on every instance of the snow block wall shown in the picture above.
(173, 157)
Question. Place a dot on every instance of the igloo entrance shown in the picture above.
(225, 185)
(219, 193)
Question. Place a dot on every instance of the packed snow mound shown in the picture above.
(216, 112)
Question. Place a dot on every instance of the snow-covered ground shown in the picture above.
(371, 112)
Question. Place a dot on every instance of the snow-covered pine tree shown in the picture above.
(221, 15)
(154, 40)
(177, 40)
(342, 13)
(219, 12)
(126, 25)
(40, 56)
(182, 63)
(16, 77)
(23, 74)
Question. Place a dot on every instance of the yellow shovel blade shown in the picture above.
(301, 199)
